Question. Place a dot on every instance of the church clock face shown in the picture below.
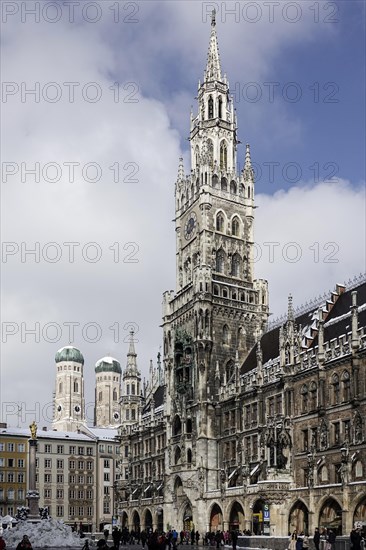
(190, 226)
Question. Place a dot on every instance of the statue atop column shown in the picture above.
(33, 430)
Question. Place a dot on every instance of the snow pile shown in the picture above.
(44, 534)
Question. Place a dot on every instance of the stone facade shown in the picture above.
(250, 427)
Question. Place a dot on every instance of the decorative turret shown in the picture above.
(131, 386)
(213, 68)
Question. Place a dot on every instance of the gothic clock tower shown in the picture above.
(218, 310)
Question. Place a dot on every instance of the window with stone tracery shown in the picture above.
(210, 152)
(210, 107)
(223, 156)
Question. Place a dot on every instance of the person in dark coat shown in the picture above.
(355, 538)
(234, 538)
(316, 538)
(24, 544)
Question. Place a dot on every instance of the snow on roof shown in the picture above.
(104, 433)
(45, 434)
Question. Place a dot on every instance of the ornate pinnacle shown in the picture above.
(290, 311)
(213, 18)
(181, 170)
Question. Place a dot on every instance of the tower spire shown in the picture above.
(131, 367)
(213, 69)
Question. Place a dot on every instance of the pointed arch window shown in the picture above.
(60, 387)
(241, 190)
(189, 456)
(220, 261)
(335, 384)
(210, 107)
(235, 227)
(114, 394)
(210, 152)
(313, 392)
(220, 222)
(230, 369)
(76, 387)
(220, 106)
(304, 398)
(197, 156)
(223, 156)
(223, 184)
(235, 265)
(346, 383)
(233, 187)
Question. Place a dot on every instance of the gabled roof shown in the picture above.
(338, 322)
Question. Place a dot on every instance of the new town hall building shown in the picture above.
(240, 425)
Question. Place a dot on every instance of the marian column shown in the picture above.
(32, 493)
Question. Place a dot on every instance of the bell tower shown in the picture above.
(218, 310)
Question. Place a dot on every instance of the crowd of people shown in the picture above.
(153, 540)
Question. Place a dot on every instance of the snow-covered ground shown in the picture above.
(44, 534)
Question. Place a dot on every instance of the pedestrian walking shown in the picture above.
(316, 538)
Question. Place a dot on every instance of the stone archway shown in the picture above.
(216, 522)
(257, 517)
(136, 521)
(360, 511)
(187, 517)
(298, 519)
(148, 520)
(236, 517)
(330, 516)
(124, 519)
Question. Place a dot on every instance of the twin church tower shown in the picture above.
(218, 311)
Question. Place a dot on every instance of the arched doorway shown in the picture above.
(136, 521)
(360, 511)
(216, 518)
(298, 519)
(148, 520)
(124, 519)
(330, 516)
(257, 517)
(236, 518)
(187, 518)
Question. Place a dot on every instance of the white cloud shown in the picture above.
(109, 292)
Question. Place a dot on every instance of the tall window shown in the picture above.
(210, 107)
(346, 383)
(223, 156)
(76, 387)
(235, 227)
(220, 222)
(114, 394)
(220, 107)
(210, 152)
(304, 398)
(235, 265)
(220, 261)
(335, 384)
(313, 400)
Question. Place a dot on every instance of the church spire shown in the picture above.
(131, 367)
(213, 69)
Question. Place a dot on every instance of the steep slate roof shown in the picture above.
(158, 400)
(338, 322)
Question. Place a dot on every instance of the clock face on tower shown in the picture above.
(190, 225)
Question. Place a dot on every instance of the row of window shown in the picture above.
(105, 377)
(73, 478)
(74, 511)
(49, 448)
(73, 464)
(68, 367)
(234, 294)
(12, 478)
(73, 493)
(12, 447)
(11, 493)
(340, 391)
(12, 462)
(114, 396)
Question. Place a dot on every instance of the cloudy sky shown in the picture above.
(95, 111)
